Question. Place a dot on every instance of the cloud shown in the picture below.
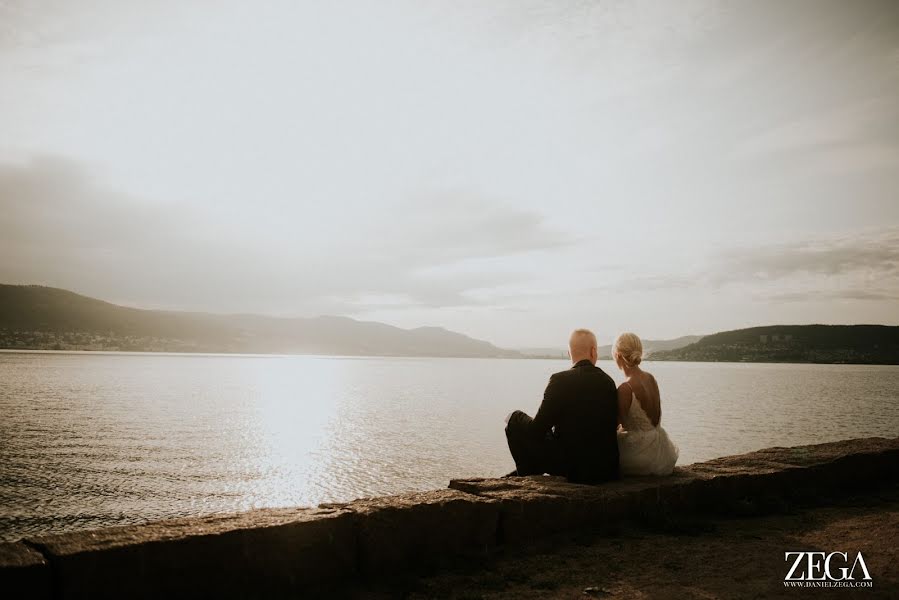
(854, 138)
(826, 295)
(60, 226)
(874, 253)
(820, 129)
(445, 227)
(862, 266)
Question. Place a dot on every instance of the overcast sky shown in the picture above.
(510, 170)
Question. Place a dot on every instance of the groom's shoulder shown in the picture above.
(593, 372)
(601, 378)
(605, 377)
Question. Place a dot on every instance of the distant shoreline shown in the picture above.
(772, 362)
(359, 356)
(256, 354)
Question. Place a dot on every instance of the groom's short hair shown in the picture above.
(582, 340)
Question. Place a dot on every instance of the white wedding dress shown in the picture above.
(644, 449)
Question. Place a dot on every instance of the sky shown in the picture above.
(507, 169)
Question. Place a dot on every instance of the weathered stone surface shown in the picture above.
(396, 532)
(255, 554)
(23, 572)
(875, 450)
(773, 475)
(535, 506)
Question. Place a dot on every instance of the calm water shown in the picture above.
(89, 440)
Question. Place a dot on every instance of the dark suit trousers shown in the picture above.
(533, 455)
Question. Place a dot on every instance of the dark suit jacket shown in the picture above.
(580, 411)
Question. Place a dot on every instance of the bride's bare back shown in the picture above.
(643, 385)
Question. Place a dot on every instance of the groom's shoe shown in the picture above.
(512, 474)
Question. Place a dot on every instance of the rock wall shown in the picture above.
(270, 552)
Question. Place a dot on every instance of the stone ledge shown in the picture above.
(260, 553)
(536, 506)
(421, 529)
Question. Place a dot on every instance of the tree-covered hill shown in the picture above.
(860, 344)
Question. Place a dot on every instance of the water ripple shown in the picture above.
(98, 440)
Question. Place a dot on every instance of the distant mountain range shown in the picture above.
(859, 344)
(650, 347)
(44, 318)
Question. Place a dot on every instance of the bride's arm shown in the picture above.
(657, 409)
(624, 401)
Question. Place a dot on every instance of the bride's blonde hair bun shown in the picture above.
(629, 347)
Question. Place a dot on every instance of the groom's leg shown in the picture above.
(525, 451)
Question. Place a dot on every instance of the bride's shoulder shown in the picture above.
(626, 391)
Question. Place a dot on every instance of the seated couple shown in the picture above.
(586, 429)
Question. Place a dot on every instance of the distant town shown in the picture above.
(79, 340)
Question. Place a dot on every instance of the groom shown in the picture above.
(573, 433)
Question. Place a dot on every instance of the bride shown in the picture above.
(643, 443)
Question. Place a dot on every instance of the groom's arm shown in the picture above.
(548, 412)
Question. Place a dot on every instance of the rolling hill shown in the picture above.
(45, 318)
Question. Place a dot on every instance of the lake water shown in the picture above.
(90, 440)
